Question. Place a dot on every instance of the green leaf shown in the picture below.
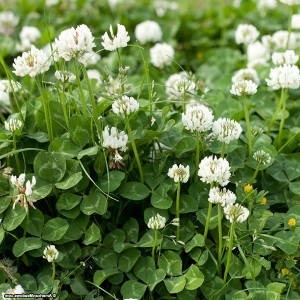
(80, 130)
(78, 286)
(50, 166)
(134, 190)
(35, 222)
(64, 146)
(196, 241)
(175, 285)
(28, 282)
(23, 245)
(2, 234)
(70, 181)
(133, 289)
(148, 239)
(112, 182)
(186, 144)
(171, 262)
(131, 228)
(88, 152)
(92, 235)
(295, 187)
(55, 229)
(67, 201)
(106, 259)
(160, 198)
(4, 203)
(101, 275)
(194, 278)
(277, 287)
(95, 202)
(14, 217)
(287, 241)
(127, 259)
(42, 189)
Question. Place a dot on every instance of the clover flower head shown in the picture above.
(282, 39)
(243, 87)
(295, 23)
(113, 139)
(113, 42)
(236, 213)
(288, 57)
(163, 6)
(179, 173)
(94, 74)
(50, 253)
(148, 31)
(266, 4)
(13, 125)
(226, 130)
(221, 196)
(214, 170)
(28, 36)
(125, 106)
(89, 58)
(8, 86)
(161, 55)
(262, 157)
(245, 74)
(156, 222)
(65, 76)
(258, 54)
(290, 2)
(8, 22)
(246, 34)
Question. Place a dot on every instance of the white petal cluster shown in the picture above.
(148, 31)
(65, 76)
(236, 213)
(245, 74)
(161, 55)
(243, 87)
(295, 22)
(113, 42)
(94, 74)
(28, 36)
(113, 139)
(289, 57)
(226, 130)
(31, 63)
(125, 106)
(179, 173)
(266, 4)
(19, 183)
(197, 118)
(13, 125)
(262, 157)
(246, 34)
(221, 195)
(9, 86)
(285, 76)
(282, 39)
(163, 6)
(51, 2)
(258, 54)
(17, 290)
(180, 84)
(50, 253)
(8, 22)
(89, 58)
(74, 42)
(214, 170)
(290, 2)
(156, 222)
(4, 98)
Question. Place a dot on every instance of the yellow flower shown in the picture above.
(263, 201)
(292, 222)
(248, 188)
(285, 271)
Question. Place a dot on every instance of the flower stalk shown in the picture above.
(229, 253)
(178, 211)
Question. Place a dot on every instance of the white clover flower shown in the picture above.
(257, 55)
(179, 173)
(65, 76)
(197, 118)
(8, 22)
(243, 87)
(295, 23)
(31, 63)
(28, 36)
(266, 4)
(163, 6)
(94, 74)
(13, 125)
(4, 98)
(114, 42)
(50, 253)
(285, 76)
(175, 222)
(9, 86)
(288, 57)
(213, 169)
(18, 181)
(246, 34)
(161, 55)
(125, 106)
(290, 2)
(113, 139)
(226, 130)
(223, 196)
(180, 84)
(262, 157)
(236, 213)
(245, 74)
(148, 31)
(282, 39)
(73, 43)
(156, 222)
(51, 2)
(17, 290)
(89, 58)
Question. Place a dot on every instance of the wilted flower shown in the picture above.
(257, 54)
(226, 130)
(286, 76)
(13, 125)
(246, 34)
(114, 42)
(288, 57)
(65, 76)
(28, 36)
(295, 23)
(236, 213)
(148, 31)
(156, 222)
(50, 253)
(31, 63)
(74, 42)
(282, 39)
(222, 196)
(262, 157)
(243, 87)
(180, 84)
(8, 22)
(197, 118)
(17, 290)
(245, 74)
(179, 173)
(125, 106)
(161, 55)
(213, 169)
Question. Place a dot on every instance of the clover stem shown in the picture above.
(207, 220)
(53, 271)
(220, 248)
(178, 211)
(248, 126)
(229, 253)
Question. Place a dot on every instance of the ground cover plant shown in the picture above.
(150, 149)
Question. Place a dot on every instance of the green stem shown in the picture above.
(16, 153)
(178, 211)
(81, 94)
(223, 149)
(136, 154)
(282, 120)
(119, 59)
(207, 219)
(278, 108)
(53, 271)
(154, 244)
(197, 156)
(220, 249)
(63, 102)
(229, 253)
(254, 176)
(248, 126)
